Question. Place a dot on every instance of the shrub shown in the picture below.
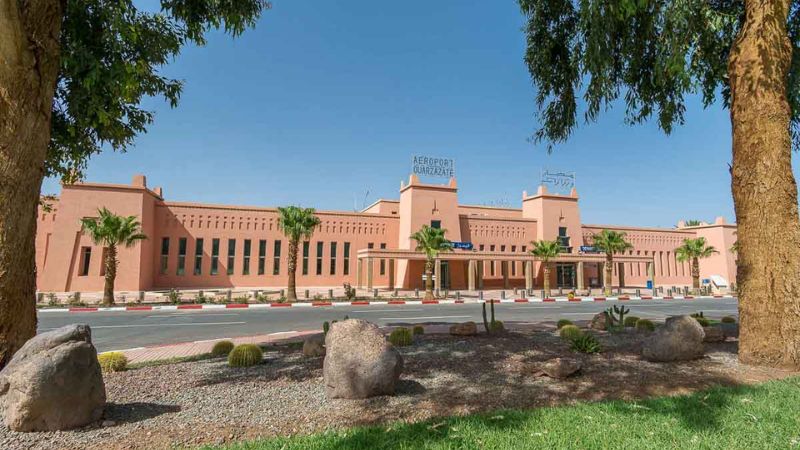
(418, 329)
(630, 321)
(496, 326)
(728, 319)
(570, 332)
(697, 314)
(52, 300)
(702, 321)
(349, 292)
(326, 327)
(560, 324)
(585, 344)
(645, 325)
(401, 337)
(112, 361)
(245, 355)
(174, 296)
(222, 348)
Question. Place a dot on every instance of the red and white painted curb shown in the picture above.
(371, 303)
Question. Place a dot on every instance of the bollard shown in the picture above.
(502, 295)
(416, 293)
(543, 293)
(141, 296)
(395, 293)
(560, 291)
(40, 297)
(638, 292)
(436, 293)
(307, 294)
(515, 291)
(480, 295)
(375, 293)
(228, 295)
(283, 293)
(458, 295)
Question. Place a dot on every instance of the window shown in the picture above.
(181, 256)
(513, 263)
(246, 260)
(231, 255)
(436, 224)
(563, 238)
(347, 258)
(276, 256)
(86, 258)
(198, 256)
(383, 261)
(305, 257)
(164, 255)
(214, 256)
(491, 266)
(333, 258)
(319, 258)
(262, 256)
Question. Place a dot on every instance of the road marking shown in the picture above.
(192, 315)
(419, 318)
(94, 327)
(388, 310)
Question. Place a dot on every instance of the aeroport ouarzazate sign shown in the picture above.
(432, 166)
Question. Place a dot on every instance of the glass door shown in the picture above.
(565, 275)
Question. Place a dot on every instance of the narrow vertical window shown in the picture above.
(231, 255)
(214, 256)
(198, 256)
(276, 255)
(346, 261)
(181, 256)
(491, 266)
(246, 260)
(164, 255)
(319, 258)
(262, 256)
(333, 258)
(86, 259)
(383, 261)
(513, 263)
(305, 257)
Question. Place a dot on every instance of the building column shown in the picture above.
(437, 274)
(504, 269)
(369, 273)
(480, 275)
(528, 275)
(359, 273)
(621, 274)
(472, 268)
(579, 274)
(651, 274)
(390, 261)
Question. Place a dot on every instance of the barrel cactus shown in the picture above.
(562, 322)
(222, 348)
(570, 332)
(112, 361)
(645, 325)
(245, 355)
(630, 321)
(419, 329)
(400, 337)
(728, 319)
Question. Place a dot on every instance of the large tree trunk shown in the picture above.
(291, 288)
(764, 189)
(696, 275)
(110, 276)
(429, 280)
(609, 274)
(546, 279)
(29, 63)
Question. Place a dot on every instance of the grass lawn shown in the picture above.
(765, 416)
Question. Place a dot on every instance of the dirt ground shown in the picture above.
(206, 402)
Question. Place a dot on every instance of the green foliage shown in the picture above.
(432, 241)
(570, 332)
(546, 250)
(585, 344)
(326, 327)
(112, 54)
(697, 314)
(497, 326)
(702, 321)
(112, 230)
(174, 296)
(52, 300)
(694, 248)
(245, 355)
(401, 337)
(610, 242)
(349, 291)
(645, 325)
(297, 223)
(630, 321)
(112, 361)
(561, 322)
(728, 319)
(488, 325)
(692, 223)
(419, 330)
(617, 315)
(222, 348)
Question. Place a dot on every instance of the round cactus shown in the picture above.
(630, 321)
(570, 332)
(222, 348)
(112, 361)
(419, 329)
(645, 325)
(400, 337)
(497, 326)
(728, 319)
(245, 355)
(562, 322)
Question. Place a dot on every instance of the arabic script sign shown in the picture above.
(558, 182)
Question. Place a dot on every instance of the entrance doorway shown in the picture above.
(565, 275)
(445, 275)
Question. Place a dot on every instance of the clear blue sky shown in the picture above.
(325, 101)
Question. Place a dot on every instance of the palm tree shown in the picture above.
(545, 251)
(431, 241)
(111, 231)
(693, 250)
(610, 242)
(693, 223)
(296, 223)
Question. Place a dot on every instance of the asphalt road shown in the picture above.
(131, 329)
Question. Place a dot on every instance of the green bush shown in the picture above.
(560, 324)
(496, 326)
(245, 355)
(702, 321)
(570, 332)
(419, 329)
(222, 348)
(645, 325)
(728, 319)
(630, 321)
(112, 361)
(326, 327)
(585, 344)
(400, 337)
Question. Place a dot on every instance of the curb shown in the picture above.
(369, 303)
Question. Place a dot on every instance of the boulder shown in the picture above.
(601, 321)
(464, 329)
(359, 362)
(54, 382)
(713, 334)
(314, 346)
(680, 339)
(560, 367)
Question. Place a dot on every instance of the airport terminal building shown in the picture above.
(204, 246)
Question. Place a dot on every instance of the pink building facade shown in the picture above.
(202, 246)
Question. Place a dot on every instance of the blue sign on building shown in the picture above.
(462, 245)
(588, 249)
